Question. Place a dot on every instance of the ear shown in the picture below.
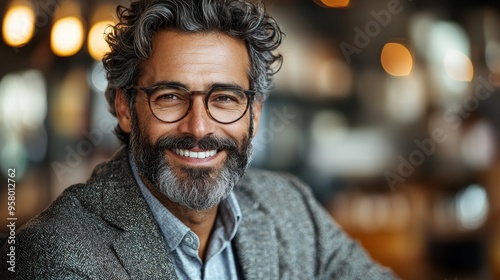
(123, 111)
(257, 109)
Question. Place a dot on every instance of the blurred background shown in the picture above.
(388, 109)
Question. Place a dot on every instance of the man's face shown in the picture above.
(198, 62)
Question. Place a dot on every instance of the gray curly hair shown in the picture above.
(131, 39)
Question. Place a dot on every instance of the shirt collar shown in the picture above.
(173, 230)
(230, 216)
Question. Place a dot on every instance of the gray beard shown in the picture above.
(198, 190)
(195, 188)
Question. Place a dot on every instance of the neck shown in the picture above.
(200, 222)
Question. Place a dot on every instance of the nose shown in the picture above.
(197, 123)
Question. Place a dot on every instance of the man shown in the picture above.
(187, 79)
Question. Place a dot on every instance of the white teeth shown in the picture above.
(192, 154)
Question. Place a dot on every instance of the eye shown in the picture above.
(227, 100)
(230, 95)
(224, 98)
(167, 96)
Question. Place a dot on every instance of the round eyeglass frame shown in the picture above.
(150, 90)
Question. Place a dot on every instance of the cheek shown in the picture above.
(148, 124)
(239, 129)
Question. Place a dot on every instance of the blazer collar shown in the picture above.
(140, 245)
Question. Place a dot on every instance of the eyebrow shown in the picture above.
(179, 84)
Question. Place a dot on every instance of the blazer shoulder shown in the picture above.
(66, 214)
(273, 188)
(54, 237)
(268, 181)
(75, 217)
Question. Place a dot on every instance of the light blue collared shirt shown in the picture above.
(182, 243)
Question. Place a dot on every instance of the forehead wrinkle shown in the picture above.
(216, 58)
(195, 55)
(215, 48)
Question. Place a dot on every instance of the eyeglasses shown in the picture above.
(171, 103)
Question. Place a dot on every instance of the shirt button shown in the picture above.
(189, 240)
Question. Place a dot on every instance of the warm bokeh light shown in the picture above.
(458, 66)
(97, 46)
(335, 3)
(396, 59)
(67, 36)
(18, 25)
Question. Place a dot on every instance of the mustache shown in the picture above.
(186, 142)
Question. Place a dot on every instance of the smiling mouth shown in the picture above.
(191, 154)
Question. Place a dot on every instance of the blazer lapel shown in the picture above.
(139, 246)
(143, 257)
(256, 242)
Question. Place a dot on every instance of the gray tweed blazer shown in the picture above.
(104, 229)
